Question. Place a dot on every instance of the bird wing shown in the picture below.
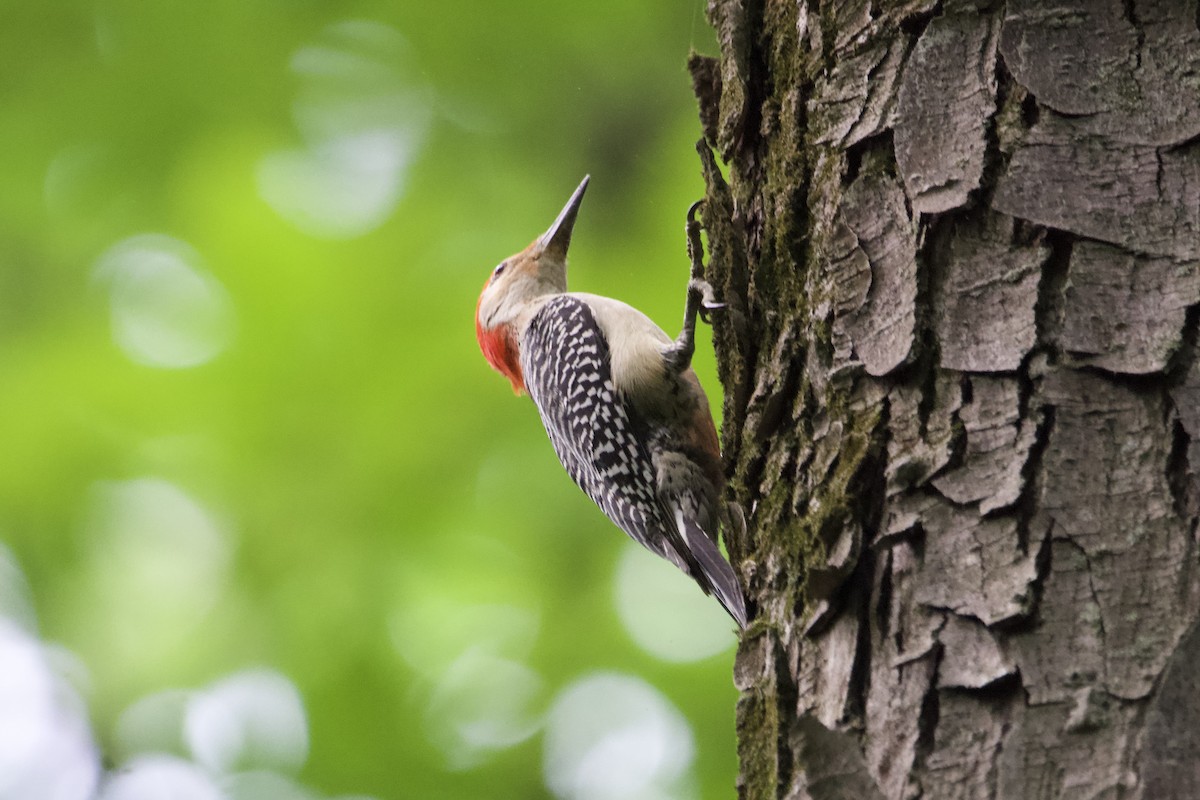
(565, 361)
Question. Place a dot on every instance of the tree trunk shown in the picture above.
(959, 245)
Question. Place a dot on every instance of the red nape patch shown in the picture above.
(500, 349)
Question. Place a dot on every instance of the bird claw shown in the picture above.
(695, 248)
(700, 293)
(706, 311)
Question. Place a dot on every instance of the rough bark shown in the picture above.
(960, 246)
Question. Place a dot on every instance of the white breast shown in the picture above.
(636, 345)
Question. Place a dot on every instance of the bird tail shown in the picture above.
(716, 575)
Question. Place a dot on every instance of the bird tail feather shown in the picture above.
(717, 576)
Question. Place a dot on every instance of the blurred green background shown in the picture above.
(267, 513)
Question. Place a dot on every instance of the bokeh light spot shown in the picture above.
(157, 777)
(166, 310)
(431, 635)
(46, 749)
(611, 737)
(664, 611)
(15, 602)
(157, 563)
(482, 704)
(250, 719)
(362, 113)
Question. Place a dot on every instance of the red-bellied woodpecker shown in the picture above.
(623, 408)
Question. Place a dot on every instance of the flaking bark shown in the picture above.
(960, 246)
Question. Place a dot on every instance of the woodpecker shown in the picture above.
(620, 402)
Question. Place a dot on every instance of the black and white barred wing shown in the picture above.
(565, 361)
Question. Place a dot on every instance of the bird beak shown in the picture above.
(556, 240)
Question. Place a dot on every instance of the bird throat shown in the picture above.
(499, 346)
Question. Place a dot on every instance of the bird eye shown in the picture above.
(498, 271)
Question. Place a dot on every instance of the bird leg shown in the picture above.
(700, 298)
(695, 250)
(695, 246)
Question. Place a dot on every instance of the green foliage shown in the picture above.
(244, 419)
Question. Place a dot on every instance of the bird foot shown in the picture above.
(702, 297)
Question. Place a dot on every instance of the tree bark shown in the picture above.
(959, 244)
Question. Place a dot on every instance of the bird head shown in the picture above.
(540, 269)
